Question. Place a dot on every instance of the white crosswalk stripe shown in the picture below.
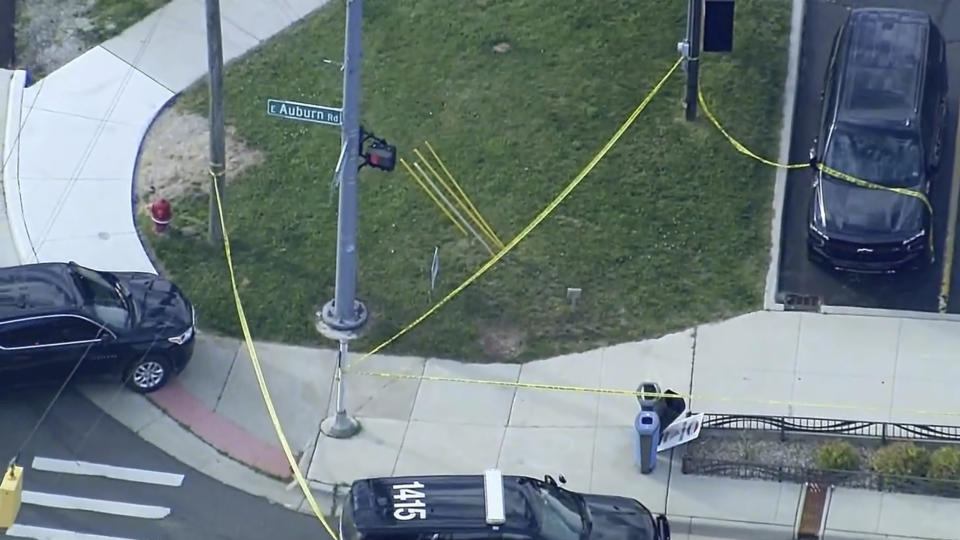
(89, 504)
(44, 533)
(117, 508)
(107, 471)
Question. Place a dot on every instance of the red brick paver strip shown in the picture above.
(220, 432)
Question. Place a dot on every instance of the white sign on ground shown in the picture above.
(680, 432)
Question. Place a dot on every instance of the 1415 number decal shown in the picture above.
(408, 503)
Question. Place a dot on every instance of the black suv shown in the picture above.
(882, 120)
(475, 507)
(54, 315)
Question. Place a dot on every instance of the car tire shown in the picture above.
(147, 374)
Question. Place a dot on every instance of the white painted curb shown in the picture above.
(11, 168)
(786, 135)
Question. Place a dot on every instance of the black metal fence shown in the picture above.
(795, 474)
(851, 428)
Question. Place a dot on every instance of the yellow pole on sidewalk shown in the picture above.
(10, 490)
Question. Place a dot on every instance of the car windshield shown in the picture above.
(881, 156)
(560, 513)
(103, 296)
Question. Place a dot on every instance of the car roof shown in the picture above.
(453, 503)
(37, 289)
(883, 66)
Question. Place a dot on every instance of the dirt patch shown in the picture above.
(176, 154)
(502, 343)
(51, 33)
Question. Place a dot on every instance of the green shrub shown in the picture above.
(901, 459)
(945, 464)
(838, 456)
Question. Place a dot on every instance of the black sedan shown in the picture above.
(60, 320)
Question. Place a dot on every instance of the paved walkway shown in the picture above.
(436, 427)
(95, 112)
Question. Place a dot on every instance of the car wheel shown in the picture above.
(148, 374)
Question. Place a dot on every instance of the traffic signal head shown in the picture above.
(382, 156)
(718, 18)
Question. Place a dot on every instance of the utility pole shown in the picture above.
(344, 313)
(343, 316)
(217, 135)
(690, 48)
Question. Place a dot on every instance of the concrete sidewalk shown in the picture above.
(419, 427)
(95, 111)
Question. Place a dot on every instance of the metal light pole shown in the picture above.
(343, 316)
(344, 313)
(217, 137)
(690, 48)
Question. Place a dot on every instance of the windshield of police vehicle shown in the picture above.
(882, 156)
(560, 513)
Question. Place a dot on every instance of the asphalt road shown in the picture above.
(914, 291)
(201, 508)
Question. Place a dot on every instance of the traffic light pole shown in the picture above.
(343, 316)
(344, 313)
(691, 48)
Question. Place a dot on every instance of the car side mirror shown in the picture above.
(562, 479)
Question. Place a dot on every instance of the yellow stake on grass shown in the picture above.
(433, 197)
(453, 181)
(478, 221)
(452, 208)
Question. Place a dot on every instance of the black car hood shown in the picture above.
(618, 518)
(858, 211)
(161, 305)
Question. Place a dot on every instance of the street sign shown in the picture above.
(305, 112)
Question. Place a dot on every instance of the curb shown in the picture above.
(786, 137)
(151, 424)
(11, 168)
(216, 430)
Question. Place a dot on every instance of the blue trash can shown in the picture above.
(647, 425)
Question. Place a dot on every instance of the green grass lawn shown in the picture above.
(670, 230)
(111, 17)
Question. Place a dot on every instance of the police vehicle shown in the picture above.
(491, 506)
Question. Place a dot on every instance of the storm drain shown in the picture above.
(801, 302)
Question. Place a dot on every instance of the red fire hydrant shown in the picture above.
(161, 213)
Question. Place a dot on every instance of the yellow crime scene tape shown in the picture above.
(255, 361)
(820, 166)
(689, 397)
(536, 221)
(559, 199)
(570, 187)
